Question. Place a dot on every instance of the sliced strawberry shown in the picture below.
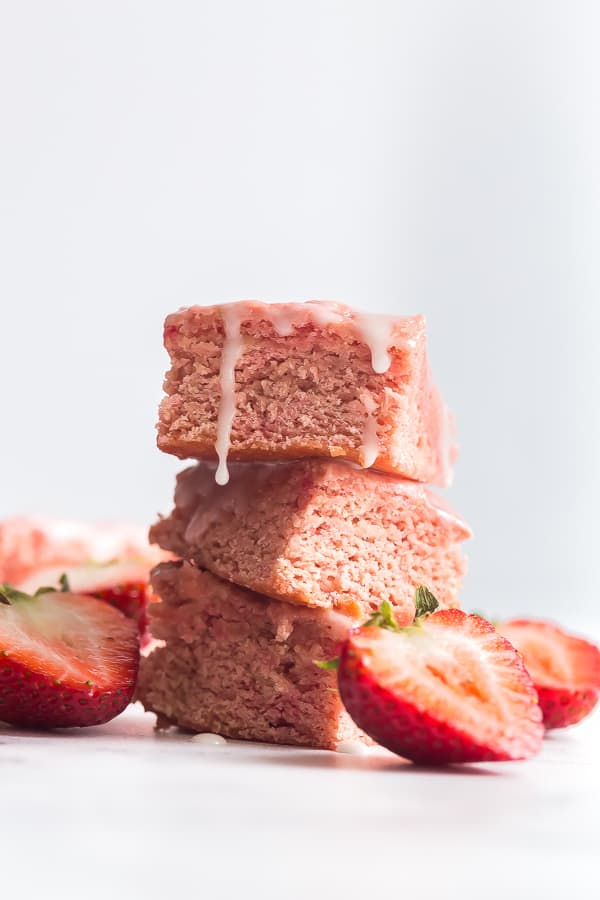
(130, 597)
(447, 689)
(124, 584)
(65, 659)
(565, 669)
(28, 544)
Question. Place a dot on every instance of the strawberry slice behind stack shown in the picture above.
(448, 689)
(565, 669)
(122, 583)
(65, 659)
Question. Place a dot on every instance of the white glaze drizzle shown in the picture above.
(371, 329)
(323, 312)
(352, 748)
(283, 322)
(284, 317)
(232, 348)
(209, 740)
(369, 450)
(376, 332)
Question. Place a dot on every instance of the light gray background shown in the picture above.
(428, 156)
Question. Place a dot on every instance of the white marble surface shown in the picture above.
(119, 811)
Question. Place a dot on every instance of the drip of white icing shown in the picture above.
(209, 740)
(376, 332)
(369, 450)
(285, 316)
(283, 319)
(232, 347)
(353, 748)
(373, 330)
(323, 312)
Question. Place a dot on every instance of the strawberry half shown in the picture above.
(122, 583)
(65, 659)
(565, 669)
(447, 689)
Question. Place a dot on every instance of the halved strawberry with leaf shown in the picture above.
(65, 659)
(122, 583)
(565, 669)
(446, 689)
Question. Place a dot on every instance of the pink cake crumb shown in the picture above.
(277, 381)
(241, 665)
(319, 533)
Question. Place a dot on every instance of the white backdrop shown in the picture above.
(428, 156)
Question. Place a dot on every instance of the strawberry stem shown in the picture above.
(383, 618)
(425, 603)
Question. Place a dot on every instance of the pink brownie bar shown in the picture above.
(241, 665)
(319, 533)
(257, 381)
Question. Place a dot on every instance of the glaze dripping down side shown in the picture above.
(232, 348)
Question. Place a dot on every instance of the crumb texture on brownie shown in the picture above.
(318, 533)
(241, 665)
(260, 381)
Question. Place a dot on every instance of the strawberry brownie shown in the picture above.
(254, 381)
(319, 533)
(242, 665)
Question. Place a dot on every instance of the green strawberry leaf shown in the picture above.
(425, 602)
(10, 595)
(64, 583)
(329, 664)
(383, 618)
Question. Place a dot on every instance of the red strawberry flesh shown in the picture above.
(131, 599)
(565, 669)
(122, 583)
(449, 689)
(65, 659)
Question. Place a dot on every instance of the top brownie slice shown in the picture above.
(257, 381)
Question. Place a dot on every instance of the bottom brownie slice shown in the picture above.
(242, 665)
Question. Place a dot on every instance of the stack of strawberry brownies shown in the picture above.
(314, 428)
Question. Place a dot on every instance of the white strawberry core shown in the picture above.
(88, 579)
